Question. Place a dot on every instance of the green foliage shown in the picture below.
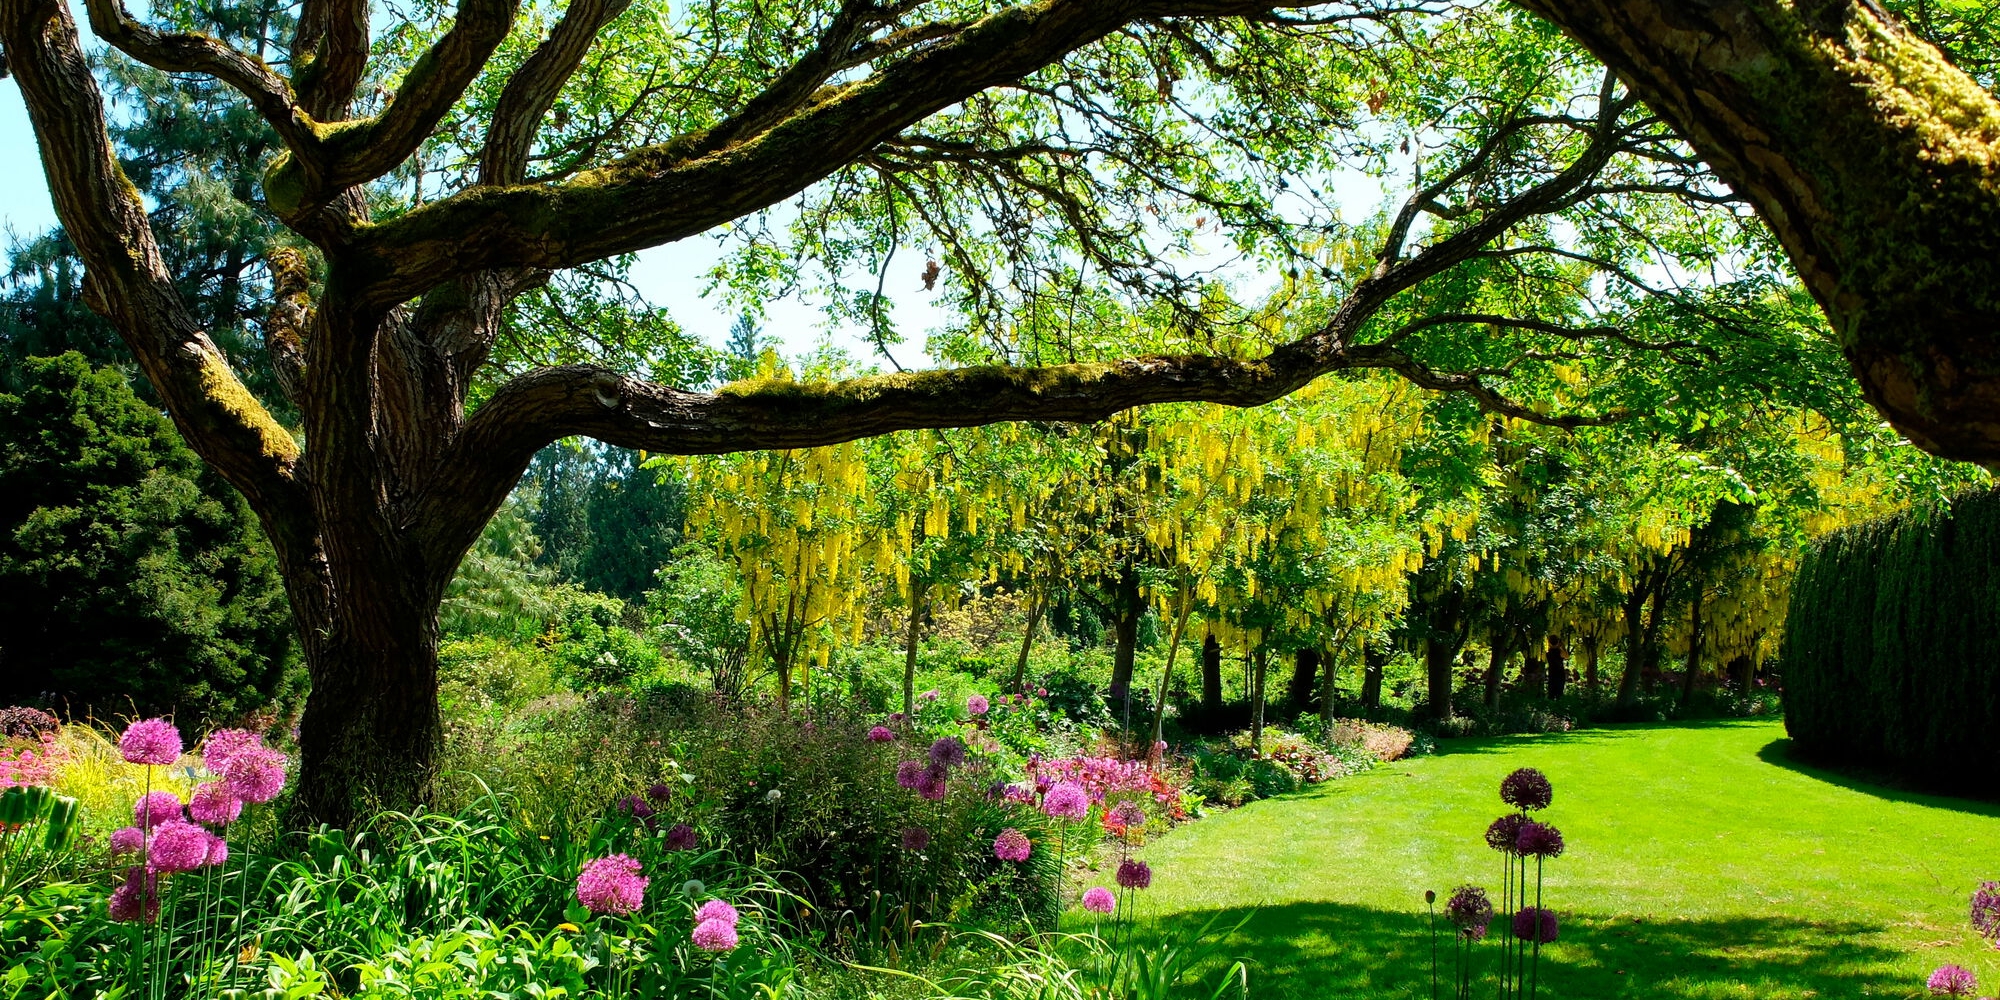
(1890, 653)
(131, 577)
(604, 522)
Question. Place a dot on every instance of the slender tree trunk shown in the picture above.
(1740, 671)
(1439, 657)
(1211, 676)
(1166, 683)
(1656, 618)
(1558, 667)
(1374, 657)
(1036, 604)
(1689, 679)
(910, 636)
(1260, 666)
(1591, 643)
(1635, 647)
(1126, 612)
(1305, 670)
(1494, 667)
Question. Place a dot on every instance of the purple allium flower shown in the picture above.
(611, 885)
(1135, 874)
(977, 704)
(1470, 911)
(931, 695)
(1128, 815)
(680, 837)
(1538, 840)
(1952, 981)
(218, 852)
(1527, 789)
(659, 791)
(896, 717)
(150, 741)
(1098, 899)
(255, 774)
(137, 899)
(1535, 924)
(214, 805)
(932, 783)
(221, 746)
(949, 751)
(714, 935)
(881, 734)
(716, 909)
(1505, 833)
(177, 847)
(638, 808)
(155, 808)
(128, 840)
(910, 773)
(1012, 845)
(1986, 911)
(916, 838)
(1067, 800)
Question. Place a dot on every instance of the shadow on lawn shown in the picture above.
(1315, 950)
(1609, 733)
(1881, 784)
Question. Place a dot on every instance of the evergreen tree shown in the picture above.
(132, 578)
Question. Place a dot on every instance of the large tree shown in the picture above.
(436, 179)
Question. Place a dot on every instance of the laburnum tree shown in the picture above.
(434, 185)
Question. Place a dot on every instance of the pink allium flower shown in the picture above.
(716, 909)
(1527, 789)
(213, 804)
(932, 783)
(1505, 833)
(948, 750)
(1098, 899)
(910, 773)
(255, 774)
(1952, 981)
(218, 852)
(1535, 924)
(1470, 911)
(177, 847)
(1538, 840)
(1012, 845)
(223, 745)
(611, 885)
(881, 734)
(931, 695)
(150, 741)
(1067, 800)
(1135, 874)
(128, 840)
(977, 704)
(916, 838)
(155, 808)
(680, 837)
(714, 935)
(137, 899)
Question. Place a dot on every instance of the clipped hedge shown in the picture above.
(1892, 645)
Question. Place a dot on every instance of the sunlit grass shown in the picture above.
(1702, 863)
(90, 770)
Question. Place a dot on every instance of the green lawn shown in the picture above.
(1702, 863)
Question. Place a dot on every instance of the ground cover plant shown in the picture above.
(1702, 861)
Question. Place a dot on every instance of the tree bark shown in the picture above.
(910, 635)
(1374, 657)
(1690, 678)
(1439, 657)
(1558, 667)
(1869, 155)
(1305, 671)
(1534, 679)
(1260, 667)
(1126, 612)
(1592, 640)
(1211, 676)
(1635, 647)
(1036, 604)
(1497, 664)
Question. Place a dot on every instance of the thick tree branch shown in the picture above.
(126, 280)
(534, 87)
(196, 53)
(329, 55)
(658, 194)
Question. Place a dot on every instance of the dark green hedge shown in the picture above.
(1892, 645)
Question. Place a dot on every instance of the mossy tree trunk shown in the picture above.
(1874, 160)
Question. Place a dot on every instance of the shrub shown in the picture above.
(1892, 644)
